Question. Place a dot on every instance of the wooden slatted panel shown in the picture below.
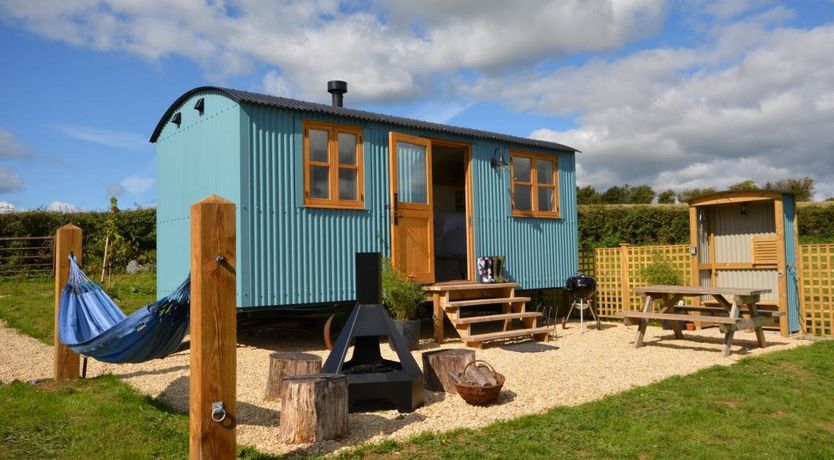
(817, 275)
(609, 281)
(764, 250)
(586, 262)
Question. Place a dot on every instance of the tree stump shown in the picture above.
(313, 408)
(438, 364)
(282, 365)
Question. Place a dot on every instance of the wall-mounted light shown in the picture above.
(177, 120)
(498, 160)
(743, 209)
(200, 106)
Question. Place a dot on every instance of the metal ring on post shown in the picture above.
(218, 412)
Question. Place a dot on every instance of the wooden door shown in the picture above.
(412, 221)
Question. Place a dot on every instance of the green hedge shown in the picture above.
(599, 226)
(610, 225)
(137, 228)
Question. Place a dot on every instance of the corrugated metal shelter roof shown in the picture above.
(303, 106)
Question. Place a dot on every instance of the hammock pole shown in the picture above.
(212, 406)
(67, 241)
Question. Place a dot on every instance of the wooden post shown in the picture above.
(67, 240)
(213, 330)
(437, 317)
(625, 291)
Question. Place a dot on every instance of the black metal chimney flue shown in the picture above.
(337, 88)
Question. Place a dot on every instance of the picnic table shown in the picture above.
(728, 314)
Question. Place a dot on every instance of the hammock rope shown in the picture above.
(92, 325)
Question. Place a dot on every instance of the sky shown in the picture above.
(673, 94)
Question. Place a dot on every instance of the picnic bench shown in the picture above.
(728, 314)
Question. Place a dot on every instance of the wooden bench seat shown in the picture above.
(678, 317)
(720, 310)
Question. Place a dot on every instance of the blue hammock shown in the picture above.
(92, 325)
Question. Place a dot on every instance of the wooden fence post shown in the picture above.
(67, 240)
(625, 290)
(213, 407)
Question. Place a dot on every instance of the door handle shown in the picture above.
(396, 215)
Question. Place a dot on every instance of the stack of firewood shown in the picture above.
(475, 375)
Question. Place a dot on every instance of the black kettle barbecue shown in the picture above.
(581, 287)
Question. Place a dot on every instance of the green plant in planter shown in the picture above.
(400, 295)
(661, 271)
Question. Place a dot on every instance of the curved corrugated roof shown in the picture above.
(303, 106)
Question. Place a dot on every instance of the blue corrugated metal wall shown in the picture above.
(540, 253)
(790, 263)
(289, 254)
(197, 159)
(297, 255)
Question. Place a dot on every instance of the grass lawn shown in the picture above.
(28, 305)
(773, 406)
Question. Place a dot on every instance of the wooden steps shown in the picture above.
(499, 317)
(476, 340)
(452, 300)
(487, 301)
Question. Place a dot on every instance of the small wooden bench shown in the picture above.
(719, 310)
(676, 317)
(727, 314)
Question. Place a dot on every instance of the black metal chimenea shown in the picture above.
(370, 376)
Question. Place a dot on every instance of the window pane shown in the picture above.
(545, 171)
(411, 173)
(521, 197)
(521, 169)
(319, 182)
(347, 184)
(347, 148)
(318, 145)
(546, 200)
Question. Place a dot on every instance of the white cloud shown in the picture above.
(59, 206)
(389, 50)
(135, 185)
(6, 207)
(674, 119)
(9, 146)
(109, 138)
(275, 84)
(10, 182)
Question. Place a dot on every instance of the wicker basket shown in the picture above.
(478, 395)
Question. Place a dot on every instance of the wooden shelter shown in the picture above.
(749, 239)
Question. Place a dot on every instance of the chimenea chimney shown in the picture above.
(337, 88)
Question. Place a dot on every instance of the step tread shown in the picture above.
(498, 317)
(467, 286)
(506, 334)
(488, 301)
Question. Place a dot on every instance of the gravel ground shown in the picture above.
(571, 369)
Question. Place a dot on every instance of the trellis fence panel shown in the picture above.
(816, 274)
(617, 272)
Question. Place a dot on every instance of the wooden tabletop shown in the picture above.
(700, 290)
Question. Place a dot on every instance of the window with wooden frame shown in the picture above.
(333, 166)
(535, 187)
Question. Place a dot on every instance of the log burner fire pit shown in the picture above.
(370, 376)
